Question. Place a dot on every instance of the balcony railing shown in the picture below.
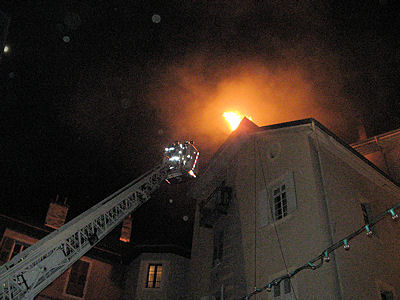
(215, 206)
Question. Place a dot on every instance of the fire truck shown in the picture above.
(32, 270)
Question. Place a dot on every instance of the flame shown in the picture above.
(234, 119)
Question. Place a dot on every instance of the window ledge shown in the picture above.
(269, 226)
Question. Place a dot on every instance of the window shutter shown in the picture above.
(264, 208)
(291, 192)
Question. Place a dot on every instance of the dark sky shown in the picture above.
(92, 91)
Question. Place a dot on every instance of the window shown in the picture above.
(218, 246)
(9, 248)
(282, 197)
(154, 274)
(385, 291)
(284, 290)
(77, 279)
(280, 207)
(386, 295)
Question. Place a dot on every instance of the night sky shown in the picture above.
(92, 91)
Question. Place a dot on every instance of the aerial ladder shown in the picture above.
(32, 270)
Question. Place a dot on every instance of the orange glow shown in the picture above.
(191, 173)
(234, 119)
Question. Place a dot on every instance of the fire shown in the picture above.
(234, 119)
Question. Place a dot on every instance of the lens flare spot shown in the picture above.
(234, 119)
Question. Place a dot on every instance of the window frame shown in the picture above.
(282, 293)
(16, 237)
(156, 265)
(279, 291)
(384, 287)
(142, 280)
(86, 283)
(279, 202)
(266, 214)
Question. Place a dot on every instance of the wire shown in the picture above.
(324, 256)
(255, 214)
(276, 232)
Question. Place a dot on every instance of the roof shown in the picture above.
(108, 250)
(245, 130)
(100, 251)
(376, 143)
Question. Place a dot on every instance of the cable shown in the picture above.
(324, 256)
(276, 233)
(255, 214)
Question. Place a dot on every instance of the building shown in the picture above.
(111, 270)
(97, 275)
(271, 199)
(384, 151)
(274, 197)
(158, 272)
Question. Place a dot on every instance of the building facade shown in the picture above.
(157, 276)
(137, 272)
(274, 197)
(271, 199)
(98, 275)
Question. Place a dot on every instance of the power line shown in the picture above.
(255, 214)
(324, 256)
(277, 235)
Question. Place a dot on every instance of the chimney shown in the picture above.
(56, 214)
(126, 229)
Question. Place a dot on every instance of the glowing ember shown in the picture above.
(234, 119)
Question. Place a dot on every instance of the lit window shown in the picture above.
(154, 274)
(77, 279)
(9, 248)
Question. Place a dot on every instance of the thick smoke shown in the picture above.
(192, 97)
(273, 62)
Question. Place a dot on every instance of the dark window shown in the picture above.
(77, 279)
(277, 290)
(10, 246)
(18, 247)
(280, 202)
(6, 247)
(154, 274)
(281, 198)
(386, 295)
(218, 246)
(283, 291)
(286, 286)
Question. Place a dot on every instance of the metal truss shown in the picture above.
(29, 272)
